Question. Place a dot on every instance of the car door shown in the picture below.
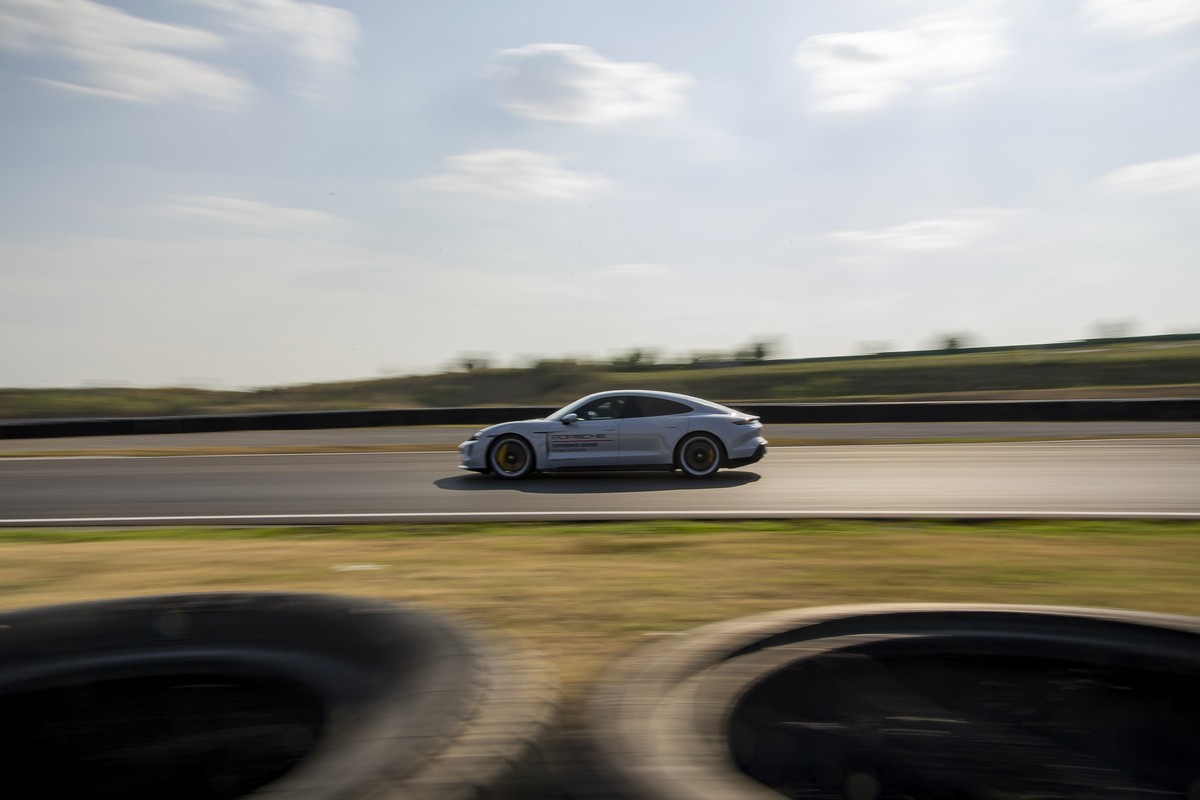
(649, 430)
(590, 441)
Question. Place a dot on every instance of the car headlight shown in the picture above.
(475, 436)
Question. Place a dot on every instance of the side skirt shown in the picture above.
(629, 468)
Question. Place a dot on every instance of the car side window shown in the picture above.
(604, 408)
(660, 407)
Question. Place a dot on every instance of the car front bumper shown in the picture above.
(472, 455)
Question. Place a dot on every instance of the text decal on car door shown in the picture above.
(573, 441)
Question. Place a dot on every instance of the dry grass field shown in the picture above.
(584, 594)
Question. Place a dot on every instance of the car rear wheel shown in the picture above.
(511, 458)
(699, 456)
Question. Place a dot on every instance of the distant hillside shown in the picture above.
(1144, 366)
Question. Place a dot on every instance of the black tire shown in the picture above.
(227, 696)
(511, 458)
(699, 455)
(905, 700)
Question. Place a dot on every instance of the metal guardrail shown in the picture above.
(1148, 410)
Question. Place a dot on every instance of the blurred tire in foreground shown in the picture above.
(266, 695)
(906, 701)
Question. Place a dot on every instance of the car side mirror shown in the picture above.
(569, 418)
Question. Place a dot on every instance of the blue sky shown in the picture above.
(265, 192)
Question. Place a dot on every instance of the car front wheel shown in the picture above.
(699, 456)
(511, 458)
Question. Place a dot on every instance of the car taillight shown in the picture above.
(745, 421)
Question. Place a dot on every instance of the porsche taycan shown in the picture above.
(621, 430)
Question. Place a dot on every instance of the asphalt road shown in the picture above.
(449, 436)
(1148, 477)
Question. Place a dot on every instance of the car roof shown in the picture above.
(684, 398)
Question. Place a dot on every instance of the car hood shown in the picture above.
(523, 425)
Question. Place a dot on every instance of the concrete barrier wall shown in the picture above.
(778, 413)
(982, 411)
(297, 420)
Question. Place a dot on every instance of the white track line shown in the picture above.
(237, 455)
(602, 515)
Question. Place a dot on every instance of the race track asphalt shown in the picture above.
(1138, 478)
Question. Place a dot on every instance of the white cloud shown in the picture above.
(515, 173)
(315, 32)
(245, 213)
(1169, 175)
(867, 70)
(573, 83)
(1143, 17)
(118, 54)
(962, 228)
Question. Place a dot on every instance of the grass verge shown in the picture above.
(585, 593)
(1154, 367)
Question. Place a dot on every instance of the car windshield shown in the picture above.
(569, 408)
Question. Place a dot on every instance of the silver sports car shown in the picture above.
(620, 430)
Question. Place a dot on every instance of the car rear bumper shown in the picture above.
(753, 458)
